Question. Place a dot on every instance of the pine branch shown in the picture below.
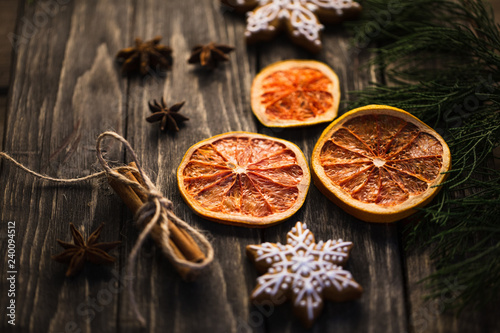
(441, 61)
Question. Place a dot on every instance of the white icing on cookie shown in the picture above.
(304, 267)
(300, 13)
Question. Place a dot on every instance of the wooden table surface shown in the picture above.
(66, 88)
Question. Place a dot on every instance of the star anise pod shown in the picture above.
(169, 116)
(209, 55)
(145, 56)
(80, 251)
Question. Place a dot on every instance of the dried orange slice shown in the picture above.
(243, 178)
(378, 163)
(295, 93)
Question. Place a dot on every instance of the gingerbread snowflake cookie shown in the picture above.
(304, 272)
(300, 18)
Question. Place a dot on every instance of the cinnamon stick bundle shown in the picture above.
(183, 244)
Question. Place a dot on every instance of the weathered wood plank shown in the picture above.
(216, 102)
(3, 114)
(8, 16)
(375, 260)
(66, 90)
(429, 315)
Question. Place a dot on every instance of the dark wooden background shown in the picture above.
(61, 88)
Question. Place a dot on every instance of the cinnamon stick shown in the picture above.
(183, 244)
(181, 238)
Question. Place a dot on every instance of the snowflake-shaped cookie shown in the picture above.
(300, 18)
(303, 272)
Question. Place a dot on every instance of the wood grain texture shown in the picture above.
(67, 89)
(429, 315)
(3, 114)
(8, 16)
(382, 304)
(214, 103)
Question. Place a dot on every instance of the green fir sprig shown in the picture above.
(440, 60)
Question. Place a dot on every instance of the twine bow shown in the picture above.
(157, 210)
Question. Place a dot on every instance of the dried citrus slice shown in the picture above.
(243, 178)
(295, 93)
(378, 163)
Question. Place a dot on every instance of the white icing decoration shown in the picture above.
(306, 268)
(300, 13)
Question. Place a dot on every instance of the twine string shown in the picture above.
(157, 210)
(52, 179)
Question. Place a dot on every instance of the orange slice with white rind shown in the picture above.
(379, 163)
(244, 179)
(295, 93)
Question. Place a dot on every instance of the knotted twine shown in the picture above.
(157, 210)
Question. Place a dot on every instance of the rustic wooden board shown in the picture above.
(68, 93)
(3, 113)
(214, 102)
(8, 15)
(428, 316)
(373, 244)
(67, 89)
